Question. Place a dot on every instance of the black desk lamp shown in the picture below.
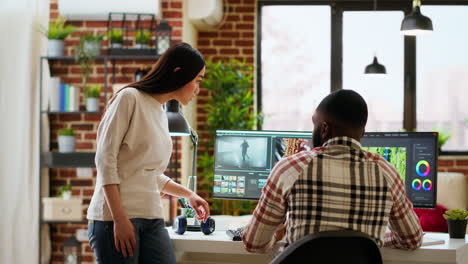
(178, 126)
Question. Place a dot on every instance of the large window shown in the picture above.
(295, 64)
(366, 34)
(442, 75)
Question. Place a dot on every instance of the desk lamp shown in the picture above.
(178, 126)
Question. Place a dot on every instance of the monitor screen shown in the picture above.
(244, 160)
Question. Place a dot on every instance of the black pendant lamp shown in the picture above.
(375, 68)
(416, 23)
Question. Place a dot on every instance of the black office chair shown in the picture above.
(332, 247)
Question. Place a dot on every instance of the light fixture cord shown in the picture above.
(375, 5)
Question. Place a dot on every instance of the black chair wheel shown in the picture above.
(208, 227)
(180, 224)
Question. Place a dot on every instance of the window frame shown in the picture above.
(338, 7)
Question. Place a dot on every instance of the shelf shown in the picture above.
(111, 57)
(70, 112)
(84, 221)
(68, 160)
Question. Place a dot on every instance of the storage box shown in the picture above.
(58, 209)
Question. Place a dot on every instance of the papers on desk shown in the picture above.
(431, 241)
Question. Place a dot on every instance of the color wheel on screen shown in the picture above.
(416, 184)
(423, 168)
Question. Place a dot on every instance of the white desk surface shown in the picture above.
(451, 251)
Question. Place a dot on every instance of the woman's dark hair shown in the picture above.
(163, 79)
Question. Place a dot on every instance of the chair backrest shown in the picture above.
(332, 247)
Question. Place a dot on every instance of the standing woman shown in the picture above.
(126, 219)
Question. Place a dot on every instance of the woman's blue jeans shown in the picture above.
(153, 242)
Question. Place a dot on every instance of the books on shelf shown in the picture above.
(63, 97)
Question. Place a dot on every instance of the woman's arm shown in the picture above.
(124, 234)
(196, 202)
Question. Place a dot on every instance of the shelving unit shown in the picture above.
(51, 159)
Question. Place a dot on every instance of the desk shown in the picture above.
(196, 248)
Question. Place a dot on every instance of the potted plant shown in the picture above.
(56, 34)
(456, 220)
(443, 137)
(65, 191)
(91, 44)
(230, 88)
(142, 39)
(66, 140)
(115, 37)
(92, 94)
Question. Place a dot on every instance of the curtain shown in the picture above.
(20, 48)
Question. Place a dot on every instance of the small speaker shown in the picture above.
(208, 227)
(180, 224)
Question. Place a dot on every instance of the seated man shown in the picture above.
(335, 186)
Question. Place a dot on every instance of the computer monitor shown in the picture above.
(244, 160)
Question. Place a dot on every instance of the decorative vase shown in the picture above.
(141, 46)
(55, 47)
(66, 195)
(92, 104)
(116, 45)
(66, 143)
(92, 48)
(457, 228)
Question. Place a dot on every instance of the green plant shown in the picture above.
(230, 106)
(65, 188)
(115, 35)
(443, 137)
(91, 37)
(84, 57)
(456, 214)
(57, 29)
(142, 36)
(68, 131)
(93, 91)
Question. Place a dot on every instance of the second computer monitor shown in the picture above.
(244, 160)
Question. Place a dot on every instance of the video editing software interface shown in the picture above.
(244, 160)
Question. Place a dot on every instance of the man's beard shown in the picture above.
(316, 139)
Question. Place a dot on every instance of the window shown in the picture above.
(369, 33)
(442, 75)
(295, 64)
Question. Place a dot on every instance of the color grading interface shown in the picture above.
(244, 160)
(414, 155)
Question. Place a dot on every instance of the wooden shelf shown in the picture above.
(111, 57)
(84, 221)
(68, 160)
(70, 112)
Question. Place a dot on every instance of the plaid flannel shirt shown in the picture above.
(335, 187)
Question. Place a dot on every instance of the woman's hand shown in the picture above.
(200, 206)
(124, 237)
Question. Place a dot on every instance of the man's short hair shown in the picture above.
(345, 107)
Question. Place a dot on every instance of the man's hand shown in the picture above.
(124, 237)
(200, 206)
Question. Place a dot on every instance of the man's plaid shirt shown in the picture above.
(334, 187)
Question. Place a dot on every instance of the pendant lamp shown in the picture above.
(416, 23)
(375, 67)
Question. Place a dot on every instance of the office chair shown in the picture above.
(332, 247)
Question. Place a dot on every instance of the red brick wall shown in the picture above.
(235, 39)
(85, 125)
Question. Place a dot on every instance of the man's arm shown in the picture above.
(267, 217)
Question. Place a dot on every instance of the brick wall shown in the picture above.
(85, 125)
(235, 39)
